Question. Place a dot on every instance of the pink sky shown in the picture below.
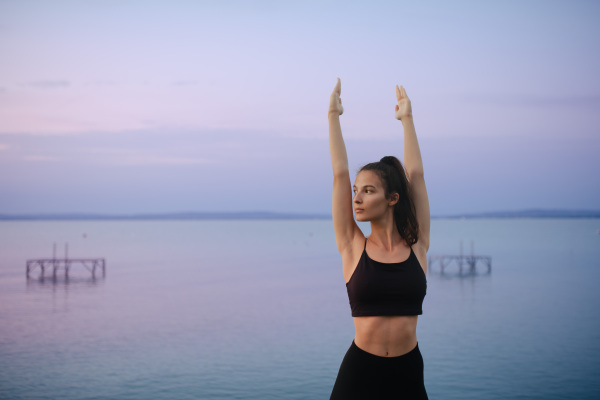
(145, 106)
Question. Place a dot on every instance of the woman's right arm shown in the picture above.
(343, 220)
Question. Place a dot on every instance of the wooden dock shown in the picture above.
(55, 264)
(467, 264)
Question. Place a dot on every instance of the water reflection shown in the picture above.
(454, 268)
(64, 281)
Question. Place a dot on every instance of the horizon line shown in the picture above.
(270, 215)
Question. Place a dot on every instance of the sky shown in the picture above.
(169, 106)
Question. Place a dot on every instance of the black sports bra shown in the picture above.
(377, 288)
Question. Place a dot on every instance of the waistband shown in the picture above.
(366, 354)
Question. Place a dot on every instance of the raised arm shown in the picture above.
(414, 167)
(343, 220)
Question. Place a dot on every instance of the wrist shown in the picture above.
(407, 119)
(333, 113)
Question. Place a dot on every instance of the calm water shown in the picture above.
(258, 310)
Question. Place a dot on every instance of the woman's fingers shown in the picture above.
(400, 92)
(403, 107)
(338, 87)
(336, 101)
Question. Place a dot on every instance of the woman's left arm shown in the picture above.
(414, 167)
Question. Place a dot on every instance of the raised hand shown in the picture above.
(403, 108)
(335, 102)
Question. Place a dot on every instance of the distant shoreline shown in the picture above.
(258, 215)
(263, 215)
(531, 213)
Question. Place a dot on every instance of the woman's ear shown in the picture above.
(394, 199)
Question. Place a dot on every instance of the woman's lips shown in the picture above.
(358, 210)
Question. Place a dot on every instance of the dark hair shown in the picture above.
(392, 175)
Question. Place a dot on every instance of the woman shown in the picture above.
(384, 273)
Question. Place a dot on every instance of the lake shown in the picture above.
(198, 309)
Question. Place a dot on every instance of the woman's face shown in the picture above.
(369, 200)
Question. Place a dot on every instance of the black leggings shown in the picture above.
(364, 375)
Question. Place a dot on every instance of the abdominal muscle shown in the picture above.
(386, 336)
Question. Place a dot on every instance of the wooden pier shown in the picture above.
(463, 262)
(65, 263)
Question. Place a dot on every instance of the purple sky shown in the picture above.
(142, 106)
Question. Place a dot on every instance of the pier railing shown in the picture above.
(467, 263)
(55, 264)
(463, 262)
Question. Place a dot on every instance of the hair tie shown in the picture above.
(389, 160)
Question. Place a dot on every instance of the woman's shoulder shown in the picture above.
(420, 251)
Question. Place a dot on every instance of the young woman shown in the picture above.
(384, 273)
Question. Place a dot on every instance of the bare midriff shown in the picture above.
(386, 336)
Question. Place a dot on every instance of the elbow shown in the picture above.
(415, 174)
(341, 173)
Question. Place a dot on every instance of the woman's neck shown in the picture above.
(385, 233)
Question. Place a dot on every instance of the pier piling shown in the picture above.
(472, 260)
(91, 264)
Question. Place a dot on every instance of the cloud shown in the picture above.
(184, 83)
(41, 158)
(49, 84)
(534, 100)
(157, 160)
(100, 82)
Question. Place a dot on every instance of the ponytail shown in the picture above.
(392, 175)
